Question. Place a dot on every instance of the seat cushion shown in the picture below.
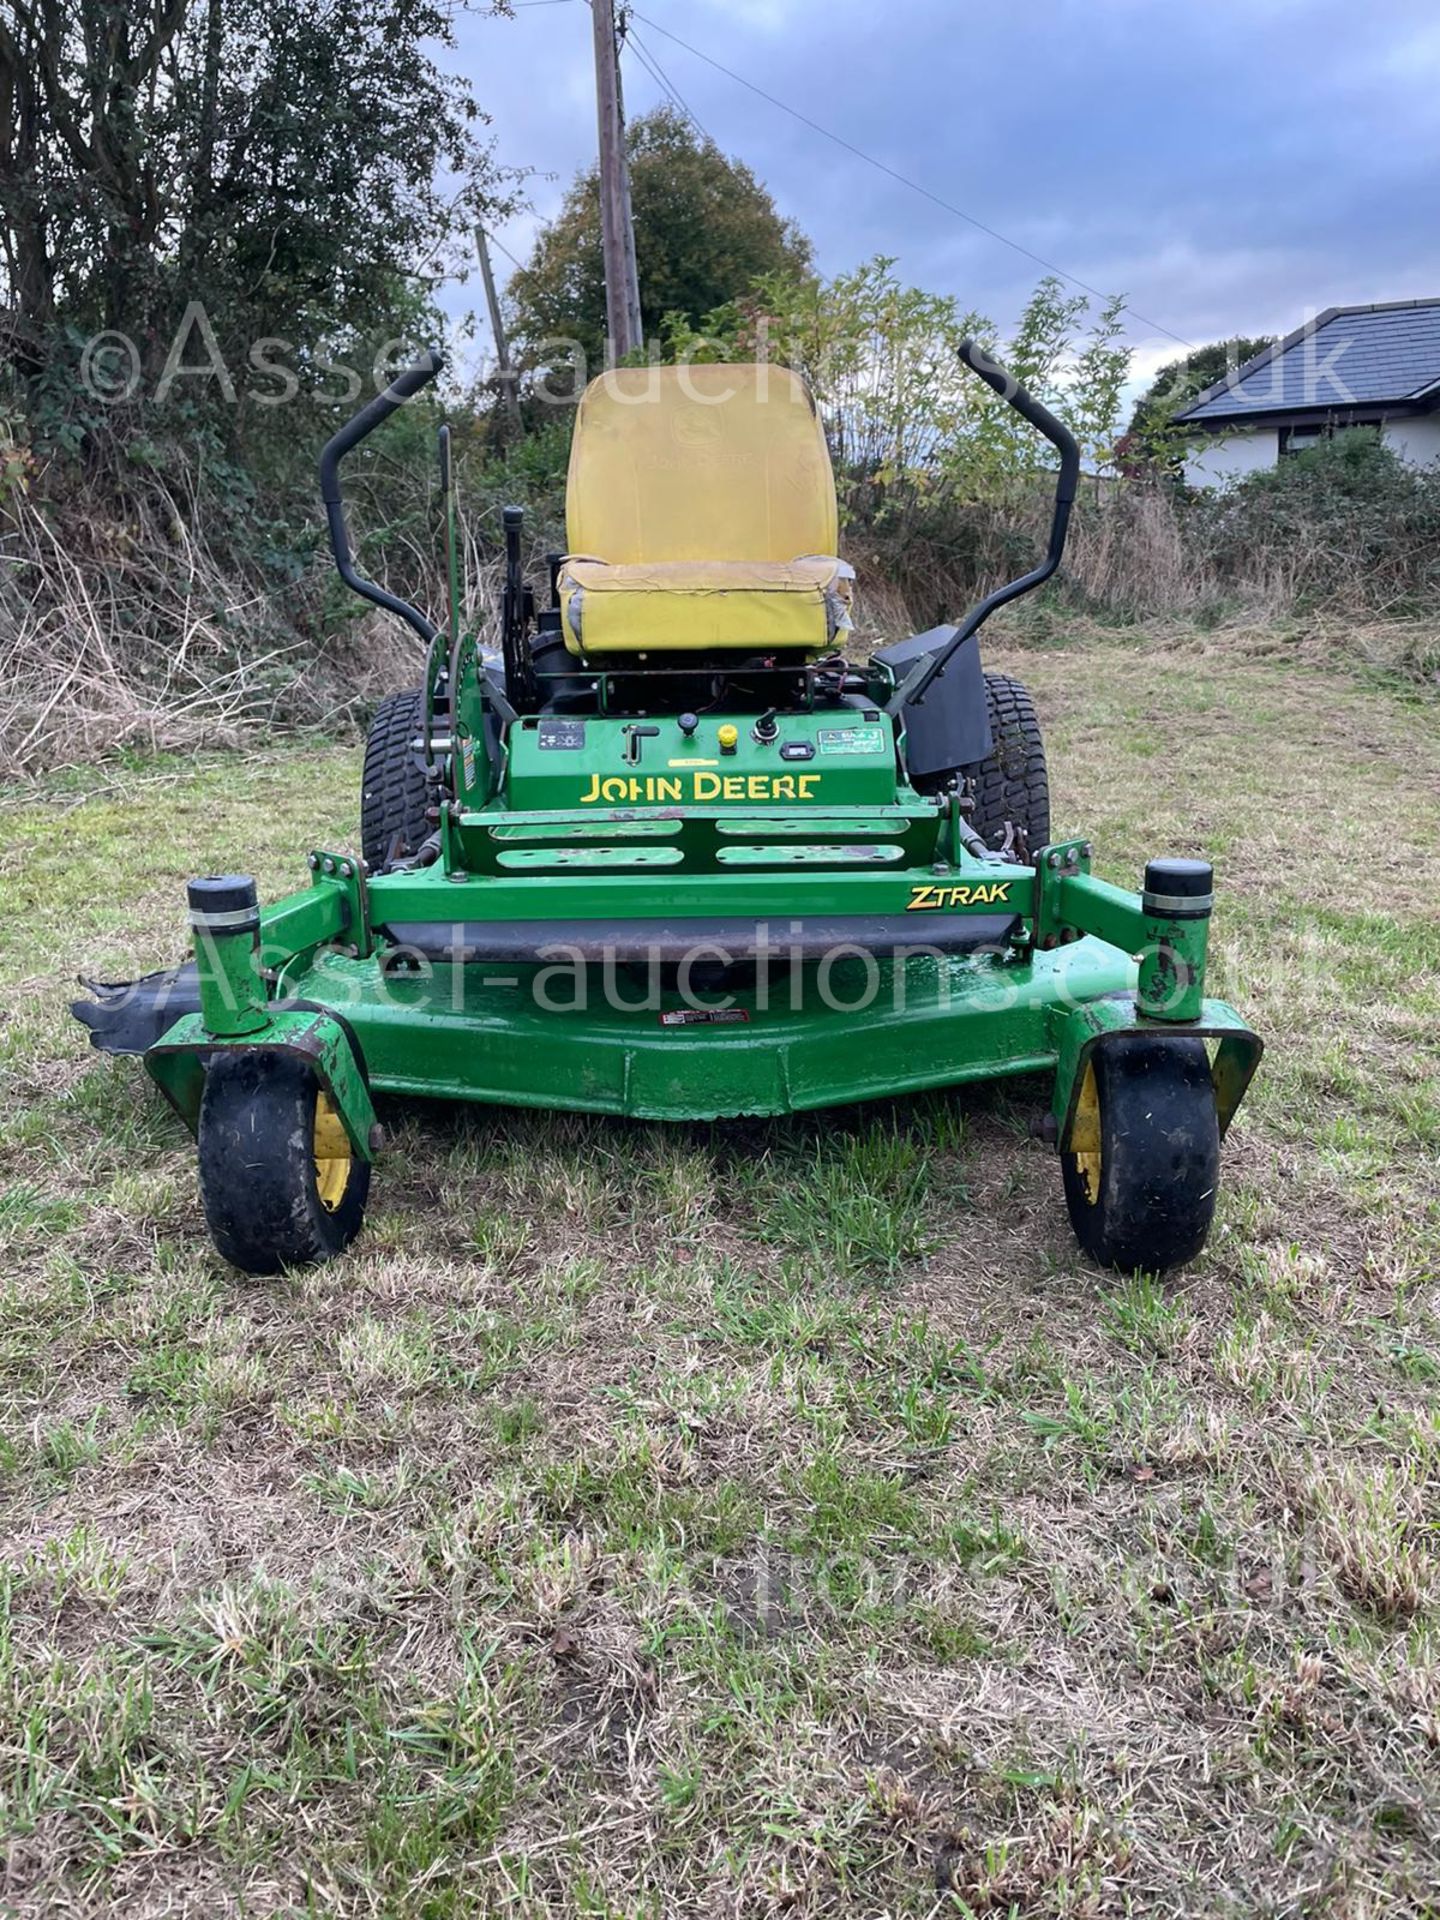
(738, 606)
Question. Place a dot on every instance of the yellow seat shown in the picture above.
(701, 515)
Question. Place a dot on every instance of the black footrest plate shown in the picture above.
(671, 941)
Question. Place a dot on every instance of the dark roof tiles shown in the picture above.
(1350, 356)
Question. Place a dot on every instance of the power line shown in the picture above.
(657, 73)
(457, 197)
(631, 44)
(904, 180)
(490, 232)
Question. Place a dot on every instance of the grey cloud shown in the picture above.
(1229, 165)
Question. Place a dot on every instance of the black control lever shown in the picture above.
(401, 389)
(633, 737)
(913, 689)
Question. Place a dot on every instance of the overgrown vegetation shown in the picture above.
(219, 232)
(211, 221)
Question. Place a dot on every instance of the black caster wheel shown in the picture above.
(1144, 1160)
(280, 1182)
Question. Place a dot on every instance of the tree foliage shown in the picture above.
(705, 230)
(1152, 434)
(900, 409)
(278, 163)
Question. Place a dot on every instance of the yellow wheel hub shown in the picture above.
(332, 1153)
(1085, 1146)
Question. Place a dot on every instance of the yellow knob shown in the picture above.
(729, 738)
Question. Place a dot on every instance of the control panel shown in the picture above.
(841, 758)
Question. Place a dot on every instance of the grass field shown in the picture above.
(758, 1519)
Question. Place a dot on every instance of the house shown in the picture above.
(1376, 367)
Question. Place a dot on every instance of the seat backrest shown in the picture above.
(718, 462)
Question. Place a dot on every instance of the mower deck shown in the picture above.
(892, 1027)
(596, 1016)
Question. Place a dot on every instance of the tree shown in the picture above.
(1151, 435)
(903, 414)
(705, 230)
(274, 162)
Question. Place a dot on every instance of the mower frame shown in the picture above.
(778, 923)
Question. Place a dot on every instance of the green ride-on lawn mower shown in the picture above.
(669, 853)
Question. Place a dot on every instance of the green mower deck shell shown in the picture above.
(473, 978)
(178, 1063)
(552, 1032)
(890, 1027)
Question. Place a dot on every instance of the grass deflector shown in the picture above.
(667, 852)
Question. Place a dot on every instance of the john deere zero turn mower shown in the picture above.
(669, 853)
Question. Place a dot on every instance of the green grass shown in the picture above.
(755, 1519)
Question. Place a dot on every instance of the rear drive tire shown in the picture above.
(279, 1180)
(1012, 786)
(395, 796)
(1141, 1178)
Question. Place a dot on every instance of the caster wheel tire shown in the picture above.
(280, 1182)
(1144, 1163)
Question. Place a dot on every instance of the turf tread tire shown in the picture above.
(257, 1167)
(395, 795)
(1160, 1155)
(1013, 784)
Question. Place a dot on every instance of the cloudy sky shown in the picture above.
(1228, 165)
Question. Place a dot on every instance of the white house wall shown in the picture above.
(1231, 456)
(1417, 440)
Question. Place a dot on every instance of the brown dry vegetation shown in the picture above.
(746, 1520)
(134, 623)
(128, 633)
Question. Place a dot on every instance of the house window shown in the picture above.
(1297, 439)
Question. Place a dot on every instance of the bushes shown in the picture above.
(900, 410)
(944, 493)
(198, 202)
(1346, 524)
(168, 585)
(163, 584)
(1345, 529)
(139, 618)
(171, 588)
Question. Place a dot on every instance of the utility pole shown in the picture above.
(508, 377)
(622, 294)
(632, 272)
